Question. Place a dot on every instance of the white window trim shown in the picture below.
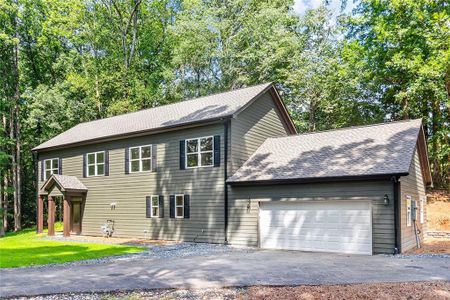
(408, 211)
(422, 210)
(51, 167)
(95, 164)
(140, 158)
(199, 152)
(151, 206)
(176, 216)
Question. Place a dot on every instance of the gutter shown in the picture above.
(243, 182)
(226, 125)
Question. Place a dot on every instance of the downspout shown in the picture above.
(225, 175)
(397, 247)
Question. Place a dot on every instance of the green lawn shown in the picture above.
(26, 248)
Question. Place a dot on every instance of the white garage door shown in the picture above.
(338, 226)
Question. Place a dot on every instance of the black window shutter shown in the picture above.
(107, 163)
(42, 170)
(60, 166)
(182, 152)
(172, 206)
(154, 155)
(187, 207)
(127, 160)
(84, 165)
(148, 207)
(216, 150)
(161, 206)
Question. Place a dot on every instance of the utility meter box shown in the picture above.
(413, 210)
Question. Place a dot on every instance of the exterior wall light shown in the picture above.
(386, 200)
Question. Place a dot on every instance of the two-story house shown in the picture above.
(230, 168)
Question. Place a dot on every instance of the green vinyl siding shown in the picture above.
(128, 191)
(244, 207)
(412, 185)
(252, 127)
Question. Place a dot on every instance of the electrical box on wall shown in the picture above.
(413, 210)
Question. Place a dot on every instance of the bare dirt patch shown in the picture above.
(410, 291)
(433, 246)
(438, 216)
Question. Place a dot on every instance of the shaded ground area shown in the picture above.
(217, 268)
(409, 290)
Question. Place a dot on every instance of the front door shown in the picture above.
(76, 217)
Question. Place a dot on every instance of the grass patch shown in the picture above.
(26, 248)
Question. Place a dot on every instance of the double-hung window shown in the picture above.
(51, 166)
(95, 164)
(179, 206)
(140, 159)
(408, 211)
(154, 206)
(200, 152)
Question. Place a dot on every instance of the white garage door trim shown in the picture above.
(319, 226)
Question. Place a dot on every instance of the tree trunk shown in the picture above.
(15, 119)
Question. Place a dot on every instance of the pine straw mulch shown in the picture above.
(410, 291)
(433, 246)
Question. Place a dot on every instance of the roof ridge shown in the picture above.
(345, 128)
(178, 102)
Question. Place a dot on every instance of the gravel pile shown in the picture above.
(184, 294)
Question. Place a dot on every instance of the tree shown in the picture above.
(406, 46)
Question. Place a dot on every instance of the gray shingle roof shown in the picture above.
(65, 182)
(185, 112)
(355, 151)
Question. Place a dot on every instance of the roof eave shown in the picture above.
(134, 134)
(318, 179)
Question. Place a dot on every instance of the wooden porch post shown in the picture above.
(40, 220)
(51, 216)
(66, 217)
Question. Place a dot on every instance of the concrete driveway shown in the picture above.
(233, 268)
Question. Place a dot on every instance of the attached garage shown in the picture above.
(338, 191)
(335, 226)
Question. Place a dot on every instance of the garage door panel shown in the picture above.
(339, 226)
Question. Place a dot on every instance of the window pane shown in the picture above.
(145, 152)
(206, 144)
(100, 169)
(91, 158)
(134, 153)
(207, 159)
(192, 160)
(146, 165)
(100, 157)
(135, 166)
(47, 164)
(91, 170)
(155, 201)
(191, 146)
(154, 211)
(179, 211)
(55, 163)
(179, 200)
(47, 174)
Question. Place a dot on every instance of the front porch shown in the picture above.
(73, 193)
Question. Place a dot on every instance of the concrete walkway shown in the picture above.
(235, 268)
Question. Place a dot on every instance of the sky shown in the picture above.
(301, 6)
